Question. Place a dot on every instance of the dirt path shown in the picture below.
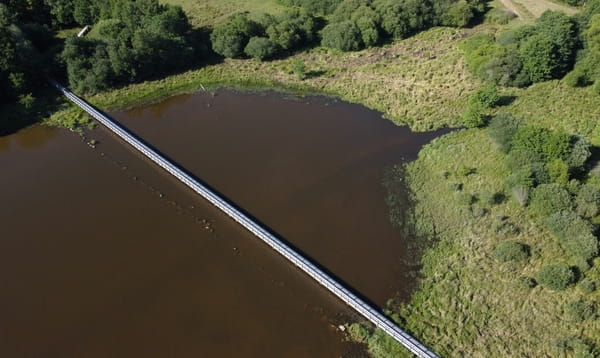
(509, 5)
(525, 9)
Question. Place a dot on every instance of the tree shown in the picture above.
(548, 199)
(502, 128)
(587, 202)
(231, 37)
(343, 36)
(260, 48)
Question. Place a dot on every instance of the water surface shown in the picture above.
(102, 254)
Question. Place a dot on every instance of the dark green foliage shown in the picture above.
(587, 202)
(392, 19)
(502, 128)
(548, 199)
(19, 61)
(231, 37)
(549, 144)
(368, 22)
(528, 54)
(526, 282)
(143, 40)
(474, 115)
(556, 277)
(292, 30)
(579, 311)
(343, 36)
(579, 153)
(511, 251)
(260, 48)
(487, 95)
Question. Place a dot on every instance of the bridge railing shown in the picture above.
(374, 316)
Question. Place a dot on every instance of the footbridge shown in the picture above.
(352, 300)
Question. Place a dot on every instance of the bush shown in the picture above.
(526, 282)
(579, 311)
(299, 69)
(558, 171)
(230, 38)
(260, 48)
(487, 95)
(549, 144)
(474, 115)
(344, 36)
(358, 332)
(587, 286)
(548, 199)
(579, 153)
(511, 251)
(574, 233)
(502, 128)
(556, 277)
(587, 202)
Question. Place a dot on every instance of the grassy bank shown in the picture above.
(469, 304)
(421, 81)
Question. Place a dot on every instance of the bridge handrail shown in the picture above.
(378, 319)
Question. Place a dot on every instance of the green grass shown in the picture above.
(469, 304)
(421, 81)
(206, 13)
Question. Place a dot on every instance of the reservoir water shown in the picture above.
(104, 255)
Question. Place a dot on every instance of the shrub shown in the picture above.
(299, 69)
(587, 202)
(502, 128)
(358, 332)
(260, 48)
(556, 277)
(578, 154)
(549, 144)
(587, 286)
(344, 36)
(487, 95)
(575, 233)
(474, 115)
(549, 198)
(526, 282)
(579, 311)
(558, 171)
(511, 251)
(523, 159)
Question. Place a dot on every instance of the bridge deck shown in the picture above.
(378, 319)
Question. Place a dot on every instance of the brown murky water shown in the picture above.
(103, 255)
